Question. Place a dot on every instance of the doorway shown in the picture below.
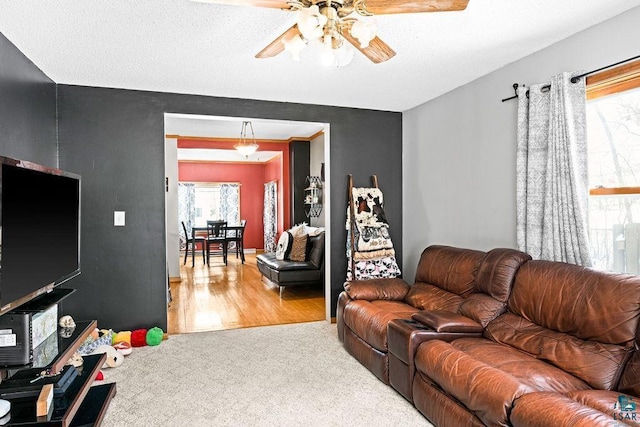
(210, 285)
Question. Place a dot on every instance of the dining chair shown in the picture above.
(192, 240)
(216, 239)
(235, 234)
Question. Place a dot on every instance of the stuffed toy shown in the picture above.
(124, 347)
(154, 336)
(93, 341)
(114, 358)
(123, 336)
(139, 338)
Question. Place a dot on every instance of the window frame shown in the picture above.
(608, 82)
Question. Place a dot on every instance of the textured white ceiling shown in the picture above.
(183, 46)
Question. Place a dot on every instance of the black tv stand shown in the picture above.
(79, 404)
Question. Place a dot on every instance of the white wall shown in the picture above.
(459, 149)
(171, 206)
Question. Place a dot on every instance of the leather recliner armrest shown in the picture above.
(377, 289)
(446, 321)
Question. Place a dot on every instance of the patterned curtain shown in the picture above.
(230, 203)
(552, 182)
(186, 209)
(270, 219)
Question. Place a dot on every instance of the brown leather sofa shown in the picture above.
(560, 352)
(471, 284)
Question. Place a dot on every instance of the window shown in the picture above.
(207, 203)
(613, 131)
(199, 202)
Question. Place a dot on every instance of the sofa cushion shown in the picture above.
(430, 297)
(482, 308)
(603, 400)
(451, 269)
(270, 261)
(377, 289)
(315, 249)
(596, 363)
(369, 319)
(552, 409)
(630, 381)
(589, 304)
(487, 377)
(497, 271)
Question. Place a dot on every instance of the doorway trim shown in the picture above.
(172, 238)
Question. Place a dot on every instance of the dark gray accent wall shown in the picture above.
(27, 108)
(115, 140)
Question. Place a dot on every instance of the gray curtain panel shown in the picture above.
(270, 218)
(552, 182)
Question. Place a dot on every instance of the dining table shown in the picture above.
(202, 231)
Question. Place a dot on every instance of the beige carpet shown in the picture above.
(287, 375)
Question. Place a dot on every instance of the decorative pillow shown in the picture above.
(314, 231)
(299, 248)
(284, 246)
(298, 229)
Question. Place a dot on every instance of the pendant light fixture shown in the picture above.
(246, 146)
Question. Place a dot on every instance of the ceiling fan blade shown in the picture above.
(377, 51)
(276, 47)
(387, 7)
(273, 4)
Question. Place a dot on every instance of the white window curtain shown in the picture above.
(186, 203)
(230, 203)
(552, 181)
(270, 218)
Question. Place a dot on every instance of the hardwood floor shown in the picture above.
(219, 297)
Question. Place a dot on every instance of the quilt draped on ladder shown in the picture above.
(372, 255)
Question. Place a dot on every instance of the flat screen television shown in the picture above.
(39, 230)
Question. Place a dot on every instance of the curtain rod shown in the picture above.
(575, 79)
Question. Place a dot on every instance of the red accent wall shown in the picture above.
(251, 176)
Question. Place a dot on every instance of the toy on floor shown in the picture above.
(124, 347)
(154, 336)
(151, 337)
(114, 358)
(139, 338)
(93, 341)
(122, 336)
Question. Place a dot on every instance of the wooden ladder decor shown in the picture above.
(352, 220)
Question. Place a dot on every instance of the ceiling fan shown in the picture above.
(332, 22)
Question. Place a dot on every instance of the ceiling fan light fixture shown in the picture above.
(294, 46)
(343, 55)
(364, 31)
(311, 22)
(327, 58)
(246, 146)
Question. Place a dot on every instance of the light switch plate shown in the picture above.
(118, 218)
